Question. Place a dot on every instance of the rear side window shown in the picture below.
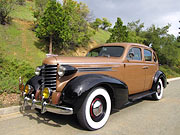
(155, 57)
(147, 55)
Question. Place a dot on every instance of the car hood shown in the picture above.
(82, 60)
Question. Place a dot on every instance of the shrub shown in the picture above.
(21, 2)
(6, 7)
(10, 71)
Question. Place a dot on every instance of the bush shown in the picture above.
(6, 7)
(21, 2)
(170, 72)
(10, 71)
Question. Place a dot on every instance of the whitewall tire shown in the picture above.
(95, 110)
(159, 91)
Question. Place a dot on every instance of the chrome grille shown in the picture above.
(49, 76)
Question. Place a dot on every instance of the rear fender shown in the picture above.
(159, 75)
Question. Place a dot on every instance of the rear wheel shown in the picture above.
(95, 110)
(159, 91)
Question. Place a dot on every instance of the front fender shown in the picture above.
(35, 82)
(77, 89)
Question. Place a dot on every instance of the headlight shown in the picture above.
(37, 71)
(46, 93)
(61, 71)
(28, 89)
(66, 70)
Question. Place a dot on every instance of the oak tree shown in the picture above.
(119, 32)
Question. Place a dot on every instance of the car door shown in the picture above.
(151, 68)
(134, 70)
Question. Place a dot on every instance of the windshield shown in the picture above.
(106, 51)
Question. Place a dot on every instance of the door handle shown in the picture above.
(145, 67)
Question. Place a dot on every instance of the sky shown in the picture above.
(158, 12)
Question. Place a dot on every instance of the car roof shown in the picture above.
(125, 44)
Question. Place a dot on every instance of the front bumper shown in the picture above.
(45, 107)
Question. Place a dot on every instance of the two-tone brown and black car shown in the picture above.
(109, 77)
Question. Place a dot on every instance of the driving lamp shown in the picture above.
(46, 93)
(27, 89)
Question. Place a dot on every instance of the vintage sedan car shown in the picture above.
(109, 77)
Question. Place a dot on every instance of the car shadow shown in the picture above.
(129, 104)
(57, 120)
(51, 119)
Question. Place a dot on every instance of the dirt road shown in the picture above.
(145, 117)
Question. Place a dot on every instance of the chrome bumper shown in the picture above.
(45, 107)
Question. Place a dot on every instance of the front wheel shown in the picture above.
(159, 91)
(95, 110)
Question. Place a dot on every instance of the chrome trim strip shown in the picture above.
(94, 69)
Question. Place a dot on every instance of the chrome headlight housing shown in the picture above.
(65, 70)
(61, 71)
(38, 71)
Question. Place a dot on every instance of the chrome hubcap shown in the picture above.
(97, 108)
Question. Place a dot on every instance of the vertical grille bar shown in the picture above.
(49, 76)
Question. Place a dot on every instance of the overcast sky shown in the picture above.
(158, 12)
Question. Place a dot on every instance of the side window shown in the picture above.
(147, 55)
(134, 54)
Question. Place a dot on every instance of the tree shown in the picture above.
(6, 7)
(178, 39)
(105, 24)
(53, 24)
(79, 31)
(96, 24)
(64, 26)
(135, 31)
(119, 32)
(164, 44)
(40, 6)
(135, 26)
(133, 38)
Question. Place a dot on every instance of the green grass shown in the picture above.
(23, 12)
(17, 41)
(19, 50)
(101, 36)
(170, 72)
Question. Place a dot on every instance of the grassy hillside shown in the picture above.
(19, 48)
(20, 53)
(24, 12)
(17, 40)
(101, 36)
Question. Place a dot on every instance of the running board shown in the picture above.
(140, 95)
